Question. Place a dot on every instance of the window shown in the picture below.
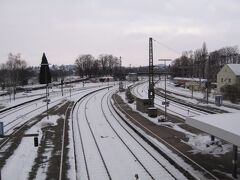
(221, 79)
(229, 80)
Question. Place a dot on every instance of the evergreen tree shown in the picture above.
(45, 74)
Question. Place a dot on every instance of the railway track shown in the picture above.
(147, 130)
(149, 165)
(17, 119)
(118, 123)
(61, 166)
(177, 106)
(20, 129)
(18, 122)
(83, 147)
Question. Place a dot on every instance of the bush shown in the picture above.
(231, 92)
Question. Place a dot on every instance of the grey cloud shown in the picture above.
(65, 29)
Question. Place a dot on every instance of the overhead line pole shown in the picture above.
(150, 72)
(165, 94)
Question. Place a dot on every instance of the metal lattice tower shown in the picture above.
(150, 73)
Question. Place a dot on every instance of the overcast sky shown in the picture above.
(64, 29)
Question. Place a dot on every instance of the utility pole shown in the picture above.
(165, 103)
(207, 77)
(151, 93)
(120, 69)
(62, 86)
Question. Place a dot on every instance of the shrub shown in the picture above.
(231, 92)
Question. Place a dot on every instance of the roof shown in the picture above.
(224, 126)
(235, 68)
(190, 79)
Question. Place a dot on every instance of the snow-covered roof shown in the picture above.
(224, 126)
(190, 79)
(235, 68)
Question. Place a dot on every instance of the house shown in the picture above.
(132, 77)
(106, 79)
(196, 84)
(228, 75)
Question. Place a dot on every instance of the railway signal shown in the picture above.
(35, 141)
(62, 86)
(1, 129)
(166, 103)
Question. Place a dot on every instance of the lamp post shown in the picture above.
(165, 95)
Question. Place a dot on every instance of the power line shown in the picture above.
(166, 46)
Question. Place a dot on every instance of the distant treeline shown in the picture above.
(104, 65)
(203, 64)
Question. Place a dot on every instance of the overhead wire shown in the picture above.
(166, 46)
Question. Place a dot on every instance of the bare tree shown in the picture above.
(202, 64)
(84, 65)
(15, 68)
(108, 63)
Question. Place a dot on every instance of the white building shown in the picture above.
(228, 75)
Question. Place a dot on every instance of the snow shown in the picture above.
(71, 158)
(120, 162)
(167, 151)
(224, 126)
(202, 144)
(26, 153)
(223, 121)
(52, 121)
(22, 160)
(190, 79)
(196, 95)
(174, 108)
(235, 68)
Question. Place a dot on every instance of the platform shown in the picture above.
(224, 126)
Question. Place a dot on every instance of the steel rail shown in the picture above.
(94, 138)
(78, 102)
(63, 141)
(108, 103)
(169, 145)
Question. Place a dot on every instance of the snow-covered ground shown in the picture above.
(118, 149)
(26, 152)
(122, 164)
(201, 143)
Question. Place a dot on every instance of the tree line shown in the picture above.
(15, 71)
(104, 65)
(203, 64)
